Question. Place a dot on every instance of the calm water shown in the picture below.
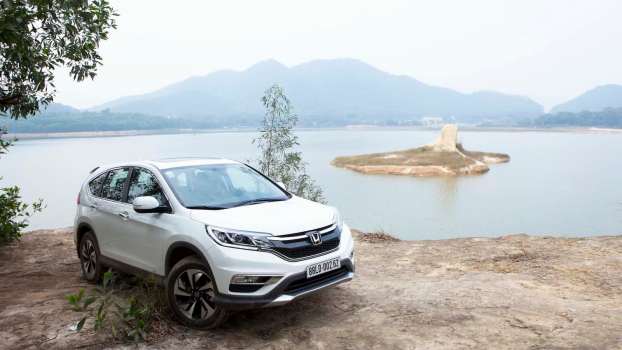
(556, 183)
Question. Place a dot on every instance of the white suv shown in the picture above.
(220, 234)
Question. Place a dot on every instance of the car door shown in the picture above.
(113, 215)
(92, 204)
(149, 231)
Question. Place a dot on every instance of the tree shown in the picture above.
(38, 36)
(278, 159)
(4, 144)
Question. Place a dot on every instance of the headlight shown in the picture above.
(337, 219)
(239, 239)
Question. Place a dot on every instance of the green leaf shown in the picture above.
(88, 301)
(80, 324)
(72, 299)
(108, 277)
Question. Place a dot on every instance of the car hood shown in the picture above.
(277, 218)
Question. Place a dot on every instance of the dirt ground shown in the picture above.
(514, 292)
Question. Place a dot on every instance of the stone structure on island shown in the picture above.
(445, 157)
(448, 140)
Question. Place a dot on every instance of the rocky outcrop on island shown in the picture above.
(445, 157)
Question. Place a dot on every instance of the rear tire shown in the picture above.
(190, 291)
(88, 253)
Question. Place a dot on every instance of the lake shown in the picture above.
(557, 183)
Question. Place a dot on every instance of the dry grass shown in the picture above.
(420, 156)
(376, 237)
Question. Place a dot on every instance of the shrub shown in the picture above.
(127, 315)
(14, 214)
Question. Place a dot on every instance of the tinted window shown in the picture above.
(95, 186)
(143, 183)
(114, 184)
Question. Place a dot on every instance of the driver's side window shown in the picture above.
(143, 183)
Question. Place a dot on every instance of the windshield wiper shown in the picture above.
(207, 207)
(258, 200)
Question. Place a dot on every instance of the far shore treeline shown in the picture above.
(73, 120)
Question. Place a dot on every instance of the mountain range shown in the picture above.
(594, 100)
(322, 91)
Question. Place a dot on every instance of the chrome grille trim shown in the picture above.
(301, 236)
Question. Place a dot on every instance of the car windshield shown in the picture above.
(221, 186)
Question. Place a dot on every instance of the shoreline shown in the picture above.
(125, 133)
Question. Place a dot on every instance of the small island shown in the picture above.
(445, 157)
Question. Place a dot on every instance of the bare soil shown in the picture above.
(513, 292)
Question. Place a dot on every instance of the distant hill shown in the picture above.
(597, 99)
(61, 118)
(323, 92)
(607, 118)
(57, 108)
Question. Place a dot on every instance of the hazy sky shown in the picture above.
(549, 50)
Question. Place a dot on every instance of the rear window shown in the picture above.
(95, 186)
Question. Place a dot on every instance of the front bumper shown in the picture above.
(292, 284)
(283, 293)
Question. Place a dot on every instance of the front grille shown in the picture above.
(304, 283)
(301, 249)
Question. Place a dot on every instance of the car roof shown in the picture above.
(168, 163)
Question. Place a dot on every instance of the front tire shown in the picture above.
(89, 258)
(190, 291)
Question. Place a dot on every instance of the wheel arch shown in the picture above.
(82, 229)
(180, 250)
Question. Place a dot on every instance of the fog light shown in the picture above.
(250, 279)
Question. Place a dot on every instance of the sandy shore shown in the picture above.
(514, 292)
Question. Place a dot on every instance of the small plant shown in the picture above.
(79, 302)
(100, 316)
(133, 315)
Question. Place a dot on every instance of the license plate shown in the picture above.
(322, 267)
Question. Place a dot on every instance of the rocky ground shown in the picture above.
(514, 292)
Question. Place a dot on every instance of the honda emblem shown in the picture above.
(315, 237)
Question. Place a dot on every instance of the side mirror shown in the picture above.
(148, 204)
(281, 185)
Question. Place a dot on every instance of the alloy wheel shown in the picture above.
(89, 257)
(194, 294)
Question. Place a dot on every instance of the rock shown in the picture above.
(448, 140)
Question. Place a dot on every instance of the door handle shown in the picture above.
(93, 206)
(124, 215)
